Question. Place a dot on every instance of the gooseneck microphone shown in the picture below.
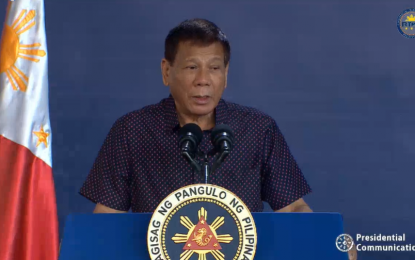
(190, 136)
(222, 140)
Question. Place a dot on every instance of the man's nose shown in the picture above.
(203, 77)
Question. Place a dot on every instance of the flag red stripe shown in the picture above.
(28, 217)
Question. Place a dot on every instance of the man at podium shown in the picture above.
(140, 163)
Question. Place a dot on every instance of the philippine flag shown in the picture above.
(28, 216)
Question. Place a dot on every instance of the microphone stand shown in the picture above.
(226, 150)
(192, 162)
(207, 171)
(206, 168)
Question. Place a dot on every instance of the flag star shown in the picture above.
(202, 221)
(42, 137)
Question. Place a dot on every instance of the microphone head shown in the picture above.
(191, 132)
(222, 133)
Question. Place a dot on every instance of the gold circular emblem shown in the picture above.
(202, 219)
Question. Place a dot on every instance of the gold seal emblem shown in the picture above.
(180, 226)
(202, 238)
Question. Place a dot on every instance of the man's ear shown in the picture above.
(165, 71)
(226, 75)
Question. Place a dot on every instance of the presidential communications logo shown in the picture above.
(374, 242)
(406, 23)
(344, 242)
(202, 222)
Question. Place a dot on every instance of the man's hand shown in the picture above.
(353, 253)
(297, 206)
(99, 208)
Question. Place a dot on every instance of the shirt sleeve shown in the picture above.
(282, 180)
(108, 181)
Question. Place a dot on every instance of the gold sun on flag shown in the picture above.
(202, 237)
(42, 137)
(11, 49)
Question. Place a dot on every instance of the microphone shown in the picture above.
(222, 139)
(190, 136)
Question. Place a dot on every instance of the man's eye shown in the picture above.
(191, 67)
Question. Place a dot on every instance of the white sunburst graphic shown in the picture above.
(344, 242)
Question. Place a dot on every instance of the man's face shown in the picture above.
(197, 77)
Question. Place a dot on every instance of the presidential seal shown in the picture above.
(202, 222)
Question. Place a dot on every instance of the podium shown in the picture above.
(281, 236)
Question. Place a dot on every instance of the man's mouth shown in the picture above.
(201, 99)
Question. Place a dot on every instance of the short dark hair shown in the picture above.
(197, 31)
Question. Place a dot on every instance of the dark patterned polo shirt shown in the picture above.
(140, 164)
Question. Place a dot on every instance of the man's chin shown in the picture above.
(202, 110)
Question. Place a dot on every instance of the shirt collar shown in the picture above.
(172, 121)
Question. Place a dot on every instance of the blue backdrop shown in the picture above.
(336, 75)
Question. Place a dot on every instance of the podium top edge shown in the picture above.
(255, 213)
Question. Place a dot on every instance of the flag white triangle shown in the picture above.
(24, 106)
